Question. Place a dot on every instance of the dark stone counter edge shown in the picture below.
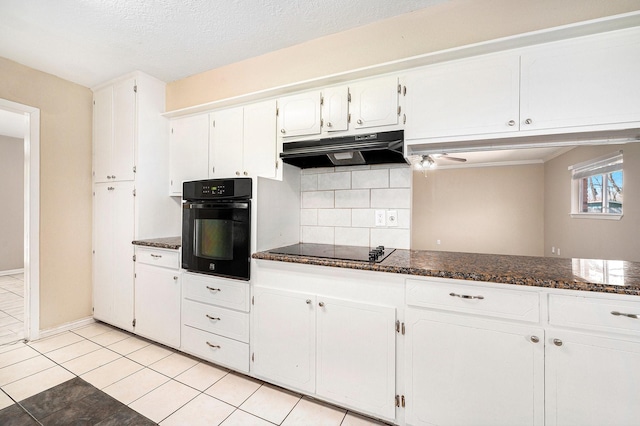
(424, 272)
(173, 243)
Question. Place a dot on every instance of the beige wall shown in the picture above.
(497, 210)
(65, 188)
(12, 202)
(592, 238)
(450, 24)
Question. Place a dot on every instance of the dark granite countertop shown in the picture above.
(605, 276)
(172, 243)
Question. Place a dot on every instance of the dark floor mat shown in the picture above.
(74, 402)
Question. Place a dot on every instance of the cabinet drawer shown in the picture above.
(215, 348)
(594, 313)
(216, 291)
(214, 319)
(158, 257)
(450, 295)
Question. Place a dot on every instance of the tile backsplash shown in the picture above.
(338, 205)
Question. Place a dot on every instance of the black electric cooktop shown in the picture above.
(329, 251)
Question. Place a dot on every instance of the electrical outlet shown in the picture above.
(553, 250)
(558, 251)
(392, 218)
(380, 218)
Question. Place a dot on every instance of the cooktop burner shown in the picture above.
(329, 251)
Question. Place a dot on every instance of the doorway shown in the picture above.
(26, 283)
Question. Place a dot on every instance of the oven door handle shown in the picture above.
(218, 206)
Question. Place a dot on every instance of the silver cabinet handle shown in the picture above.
(157, 256)
(214, 289)
(308, 301)
(528, 121)
(213, 346)
(466, 296)
(108, 177)
(246, 173)
(321, 304)
(329, 124)
(359, 121)
(113, 176)
(283, 131)
(111, 188)
(534, 339)
(622, 314)
(511, 123)
(212, 318)
(557, 342)
(237, 173)
(175, 278)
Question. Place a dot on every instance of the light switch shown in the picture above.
(380, 218)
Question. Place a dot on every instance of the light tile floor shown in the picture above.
(166, 386)
(11, 308)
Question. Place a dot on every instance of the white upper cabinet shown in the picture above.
(243, 141)
(375, 102)
(188, 150)
(335, 109)
(585, 84)
(114, 123)
(471, 96)
(225, 145)
(260, 157)
(588, 81)
(300, 115)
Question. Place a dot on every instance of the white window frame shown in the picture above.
(601, 165)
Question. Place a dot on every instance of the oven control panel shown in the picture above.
(215, 189)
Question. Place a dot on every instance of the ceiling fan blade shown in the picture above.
(458, 159)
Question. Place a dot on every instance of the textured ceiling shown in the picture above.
(92, 41)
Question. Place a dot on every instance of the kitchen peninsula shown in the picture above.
(597, 275)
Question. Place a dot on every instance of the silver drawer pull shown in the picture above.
(466, 296)
(622, 314)
(212, 318)
(157, 256)
(213, 346)
(214, 289)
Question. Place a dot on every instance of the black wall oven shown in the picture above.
(216, 227)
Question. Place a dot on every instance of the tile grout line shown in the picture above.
(21, 407)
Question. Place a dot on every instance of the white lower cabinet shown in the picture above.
(339, 349)
(157, 295)
(462, 370)
(592, 360)
(215, 320)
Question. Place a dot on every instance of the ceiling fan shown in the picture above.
(430, 160)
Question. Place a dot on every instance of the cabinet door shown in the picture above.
(374, 103)
(283, 337)
(583, 82)
(102, 134)
(464, 98)
(157, 304)
(124, 129)
(226, 143)
(259, 148)
(113, 229)
(335, 109)
(299, 115)
(356, 355)
(466, 371)
(591, 380)
(188, 150)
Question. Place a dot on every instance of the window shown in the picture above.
(597, 187)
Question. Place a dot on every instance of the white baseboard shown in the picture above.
(65, 327)
(12, 272)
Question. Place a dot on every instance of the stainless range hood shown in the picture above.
(371, 148)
